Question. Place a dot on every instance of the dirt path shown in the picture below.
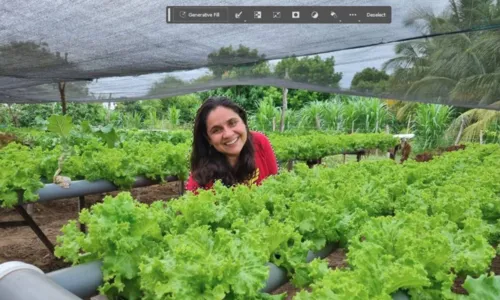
(21, 243)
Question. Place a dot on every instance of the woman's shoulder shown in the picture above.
(259, 136)
(260, 140)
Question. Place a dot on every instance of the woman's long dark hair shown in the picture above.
(208, 164)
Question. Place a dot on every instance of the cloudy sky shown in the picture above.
(348, 62)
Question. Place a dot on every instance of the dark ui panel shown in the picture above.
(280, 14)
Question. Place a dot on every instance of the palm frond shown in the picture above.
(431, 85)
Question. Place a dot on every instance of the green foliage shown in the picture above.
(20, 172)
(267, 117)
(370, 80)
(314, 70)
(459, 67)
(492, 137)
(187, 105)
(397, 220)
(34, 115)
(356, 114)
(91, 156)
(317, 145)
(18, 56)
(431, 122)
(155, 113)
(60, 125)
(107, 134)
(248, 97)
(297, 99)
(164, 86)
(484, 287)
(241, 62)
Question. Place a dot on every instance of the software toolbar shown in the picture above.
(280, 14)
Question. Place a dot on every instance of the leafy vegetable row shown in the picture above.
(101, 153)
(24, 169)
(414, 226)
(316, 145)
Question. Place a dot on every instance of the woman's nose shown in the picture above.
(226, 132)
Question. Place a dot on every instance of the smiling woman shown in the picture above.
(225, 149)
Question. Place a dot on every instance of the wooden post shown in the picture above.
(481, 137)
(284, 105)
(14, 117)
(81, 206)
(388, 131)
(462, 124)
(29, 209)
(182, 188)
(62, 85)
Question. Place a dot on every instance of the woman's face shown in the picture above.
(226, 131)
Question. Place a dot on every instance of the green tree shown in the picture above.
(165, 85)
(19, 58)
(313, 70)
(248, 97)
(35, 115)
(460, 67)
(468, 126)
(298, 99)
(233, 63)
(187, 106)
(370, 80)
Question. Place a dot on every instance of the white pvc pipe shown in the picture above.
(21, 281)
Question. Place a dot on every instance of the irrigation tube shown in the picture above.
(83, 280)
(21, 281)
(78, 188)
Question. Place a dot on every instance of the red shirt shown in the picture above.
(265, 162)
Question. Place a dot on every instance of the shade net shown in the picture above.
(435, 51)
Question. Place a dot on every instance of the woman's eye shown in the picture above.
(233, 123)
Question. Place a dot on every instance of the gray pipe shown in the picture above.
(278, 276)
(81, 280)
(20, 281)
(400, 295)
(322, 253)
(78, 188)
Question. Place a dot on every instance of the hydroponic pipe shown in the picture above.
(78, 188)
(21, 281)
(81, 280)
(278, 276)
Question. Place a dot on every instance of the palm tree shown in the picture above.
(462, 67)
(470, 124)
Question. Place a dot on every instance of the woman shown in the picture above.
(225, 149)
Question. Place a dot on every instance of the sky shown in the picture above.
(348, 62)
